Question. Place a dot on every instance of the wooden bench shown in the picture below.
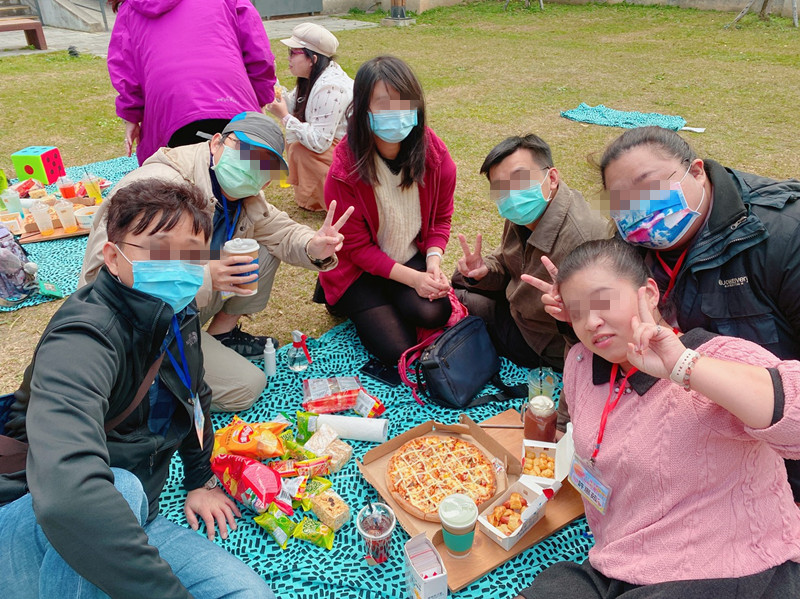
(34, 34)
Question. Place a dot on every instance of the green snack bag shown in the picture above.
(315, 486)
(306, 426)
(277, 524)
(293, 448)
(314, 532)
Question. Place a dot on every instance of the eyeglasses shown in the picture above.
(259, 157)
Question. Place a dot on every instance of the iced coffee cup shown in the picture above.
(458, 514)
(375, 524)
(243, 247)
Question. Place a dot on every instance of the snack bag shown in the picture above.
(368, 406)
(277, 524)
(257, 440)
(324, 436)
(306, 426)
(325, 396)
(314, 532)
(296, 488)
(292, 449)
(251, 482)
(286, 468)
(315, 467)
(314, 486)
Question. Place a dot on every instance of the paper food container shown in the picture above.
(562, 452)
(536, 497)
(426, 576)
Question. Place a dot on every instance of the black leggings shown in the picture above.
(387, 313)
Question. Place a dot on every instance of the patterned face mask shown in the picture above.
(659, 219)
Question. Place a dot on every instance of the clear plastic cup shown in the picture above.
(541, 381)
(375, 525)
(66, 214)
(66, 188)
(41, 217)
(92, 186)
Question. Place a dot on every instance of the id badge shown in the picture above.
(199, 419)
(586, 479)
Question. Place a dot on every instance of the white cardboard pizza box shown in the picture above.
(534, 494)
(430, 582)
(562, 452)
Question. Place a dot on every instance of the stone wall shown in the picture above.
(777, 7)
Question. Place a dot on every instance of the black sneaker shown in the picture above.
(245, 344)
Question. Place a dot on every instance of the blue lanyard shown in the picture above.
(183, 368)
(230, 226)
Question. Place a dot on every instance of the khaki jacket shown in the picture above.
(274, 229)
(568, 221)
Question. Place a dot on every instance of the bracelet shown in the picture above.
(434, 253)
(682, 371)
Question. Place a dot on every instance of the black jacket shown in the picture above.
(741, 276)
(86, 369)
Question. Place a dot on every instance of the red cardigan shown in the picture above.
(361, 252)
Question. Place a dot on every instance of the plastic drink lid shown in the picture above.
(237, 245)
(541, 405)
(38, 206)
(64, 182)
(458, 510)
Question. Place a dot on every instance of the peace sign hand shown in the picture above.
(327, 241)
(471, 265)
(655, 349)
(551, 297)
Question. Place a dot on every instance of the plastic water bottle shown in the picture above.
(269, 359)
(298, 358)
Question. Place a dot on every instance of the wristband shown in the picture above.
(433, 253)
(682, 371)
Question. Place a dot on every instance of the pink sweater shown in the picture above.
(695, 492)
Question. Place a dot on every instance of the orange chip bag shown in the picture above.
(258, 440)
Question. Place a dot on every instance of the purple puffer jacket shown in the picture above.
(178, 61)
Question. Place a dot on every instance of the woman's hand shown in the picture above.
(132, 133)
(655, 348)
(430, 287)
(278, 107)
(550, 295)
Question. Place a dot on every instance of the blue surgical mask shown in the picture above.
(661, 218)
(236, 177)
(174, 282)
(393, 125)
(524, 206)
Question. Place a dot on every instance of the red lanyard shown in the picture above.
(672, 273)
(610, 405)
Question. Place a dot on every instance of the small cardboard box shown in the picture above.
(562, 452)
(429, 581)
(536, 498)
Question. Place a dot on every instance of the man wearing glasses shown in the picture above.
(114, 389)
(231, 170)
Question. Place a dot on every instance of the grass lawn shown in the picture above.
(487, 74)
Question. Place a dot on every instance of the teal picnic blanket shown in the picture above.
(608, 117)
(304, 571)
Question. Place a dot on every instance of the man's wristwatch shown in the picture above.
(212, 482)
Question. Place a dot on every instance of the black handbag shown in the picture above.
(459, 363)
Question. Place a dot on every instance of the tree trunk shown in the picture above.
(764, 13)
(794, 12)
(741, 14)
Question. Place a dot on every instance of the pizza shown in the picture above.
(426, 470)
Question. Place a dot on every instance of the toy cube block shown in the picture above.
(42, 163)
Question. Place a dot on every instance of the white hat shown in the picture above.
(314, 37)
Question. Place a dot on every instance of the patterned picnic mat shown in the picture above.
(306, 571)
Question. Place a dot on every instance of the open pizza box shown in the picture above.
(502, 445)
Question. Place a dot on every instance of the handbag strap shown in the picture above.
(140, 393)
(506, 392)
